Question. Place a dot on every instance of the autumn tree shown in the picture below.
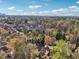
(61, 50)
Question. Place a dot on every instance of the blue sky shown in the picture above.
(40, 7)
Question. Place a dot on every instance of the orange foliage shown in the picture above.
(48, 40)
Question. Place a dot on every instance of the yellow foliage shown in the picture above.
(3, 31)
(2, 56)
(13, 42)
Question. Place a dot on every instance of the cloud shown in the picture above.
(47, 0)
(20, 10)
(44, 12)
(14, 11)
(75, 7)
(59, 10)
(70, 11)
(35, 6)
(40, 12)
(77, 2)
(33, 12)
(11, 8)
(54, 12)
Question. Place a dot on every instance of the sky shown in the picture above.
(40, 7)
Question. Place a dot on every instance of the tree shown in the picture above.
(18, 45)
(40, 39)
(3, 32)
(61, 50)
(49, 40)
(2, 56)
